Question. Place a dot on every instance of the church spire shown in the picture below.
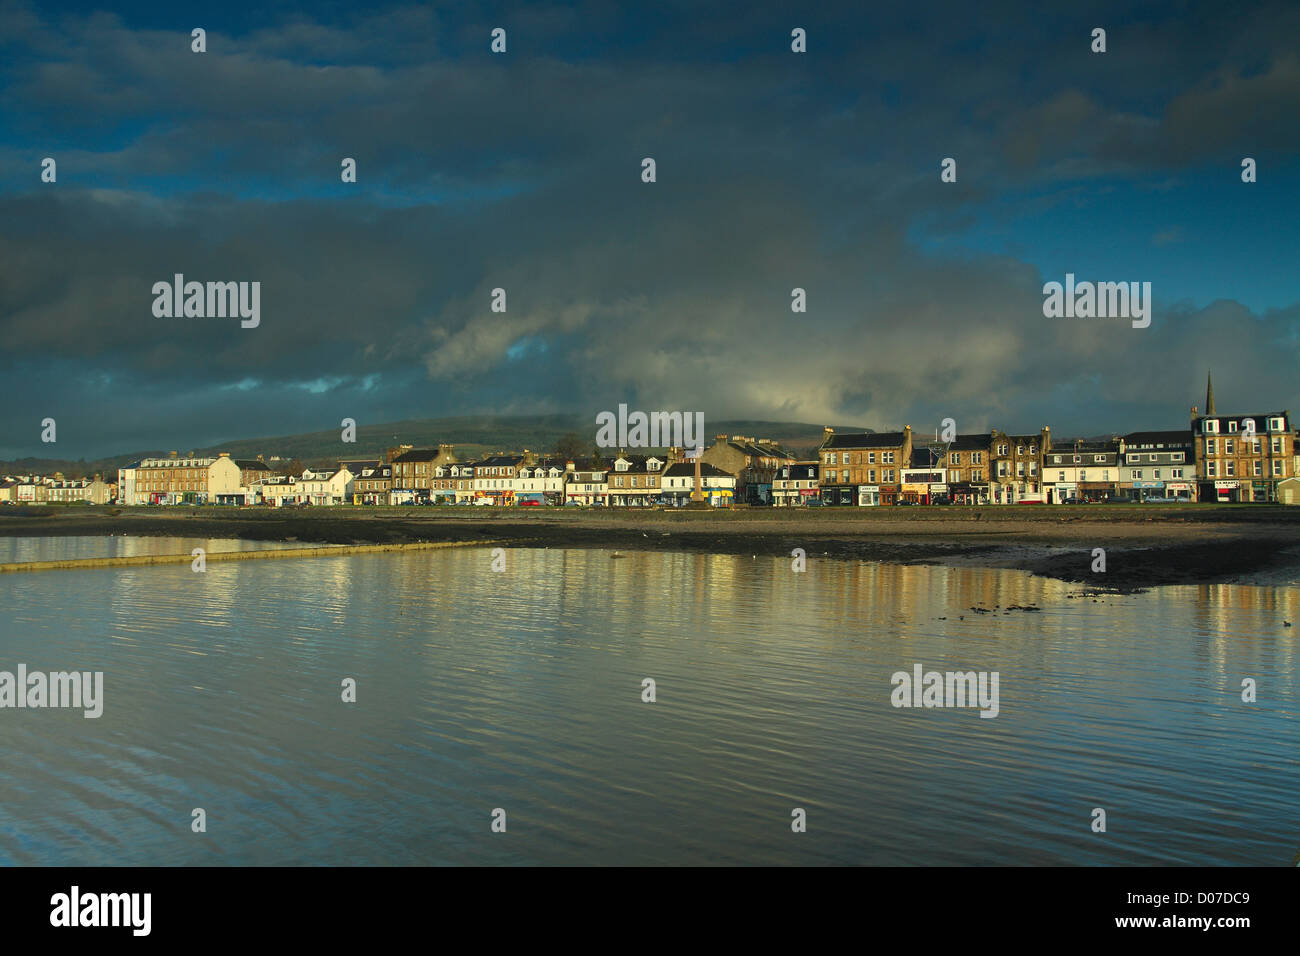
(1209, 394)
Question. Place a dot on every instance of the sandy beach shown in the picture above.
(1145, 545)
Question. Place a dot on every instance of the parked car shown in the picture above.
(814, 503)
(530, 504)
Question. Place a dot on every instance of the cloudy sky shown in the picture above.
(522, 171)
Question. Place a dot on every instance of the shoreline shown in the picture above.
(1145, 546)
(137, 560)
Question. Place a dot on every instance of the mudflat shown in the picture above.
(1145, 545)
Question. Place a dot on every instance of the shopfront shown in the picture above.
(1096, 490)
(968, 493)
(1148, 489)
(1061, 492)
(1227, 491)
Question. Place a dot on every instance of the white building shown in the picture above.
(585, 486)
(1081, 469)
(126, 490)
(324, 488)
(542, 482)
(795, 483)
(718, 486)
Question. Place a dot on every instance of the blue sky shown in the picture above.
(521, 171)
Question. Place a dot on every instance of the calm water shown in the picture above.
(522, 690)
(69, 548)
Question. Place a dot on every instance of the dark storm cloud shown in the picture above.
(523, 172)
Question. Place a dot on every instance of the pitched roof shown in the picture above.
(971, 442)
(866, 440)
(1261, 421)
(759, 449)
(687, 468)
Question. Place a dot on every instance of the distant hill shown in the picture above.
(473, 435)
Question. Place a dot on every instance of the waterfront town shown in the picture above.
(1221, 458)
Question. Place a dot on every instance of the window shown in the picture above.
(1083, 474)
(1062, 478)
(1257, 468)
(1228, 446)
(1002, 449)
(1076, 459)
(1232, 428)
(1210, 426)
(954, 459)
(1151, 457)
(1175, 473)
(1275, 424)
(871, 458)
(1211, 446)
(1137, 475)
(871, 476)
(1210, 470)
(1177, 456)
(1275, 445)
(1277, 468)
(1156, 474)
(1105, 475)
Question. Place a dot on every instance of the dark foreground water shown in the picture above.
(522, 690)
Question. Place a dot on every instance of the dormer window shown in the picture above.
(1232, 427)
(1210, 426)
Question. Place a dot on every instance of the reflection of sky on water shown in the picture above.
(523, 690)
